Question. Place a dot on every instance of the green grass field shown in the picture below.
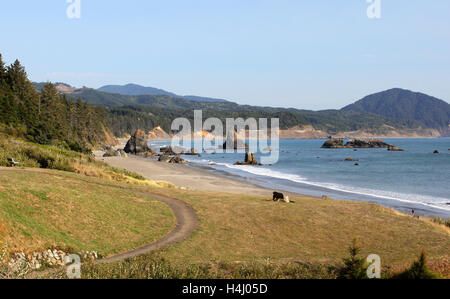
(49, 208)
(241, 236)
(240, 228)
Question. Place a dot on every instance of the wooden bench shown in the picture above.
(12, 162)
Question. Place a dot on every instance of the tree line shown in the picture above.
(46, 116)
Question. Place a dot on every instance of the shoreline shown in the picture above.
(200, 178)
(186, 176)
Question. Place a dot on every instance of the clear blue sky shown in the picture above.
(311, 54)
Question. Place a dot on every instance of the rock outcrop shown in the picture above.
(138, 144)
(249, 160)
(334, 143)
(355, 143)
(393, 148)
(351, 160)
(366, 143)
(235, 144)
(115, 153)
(192, 152)
(172, 159)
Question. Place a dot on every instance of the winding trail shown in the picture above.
(186, 219)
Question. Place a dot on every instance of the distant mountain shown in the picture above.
(134, 90)
(138, 90)
(411, 108)
(394, 112)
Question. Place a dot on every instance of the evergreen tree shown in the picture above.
(47, 117)
(418, 270)
(354, 267)
(2, 71)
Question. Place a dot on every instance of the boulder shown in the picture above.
(109, 153)
(171, 160)
(192, 152)
(168, 150)
(173, 151)
(177, 160)
(115, 153)
(122, 153)
(138, 143)
(355, 143)
(436, 152)
(235, 144)
(164, 158)
(393, 148)
(334, 143)
(351, 160)
(366, 143)
(249, 160)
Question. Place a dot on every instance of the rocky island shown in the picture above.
(359, 143)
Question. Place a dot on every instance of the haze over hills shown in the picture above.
(134, 90)
(138, 90)
(391, 113)
(412, 107)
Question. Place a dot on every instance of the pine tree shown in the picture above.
(418, 270)
(354, 267)
(2, 71)
(47, 117)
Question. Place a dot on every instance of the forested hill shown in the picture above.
(412, 107)
(47, 117)
(392, 110)
(138, 90)
(128, 113)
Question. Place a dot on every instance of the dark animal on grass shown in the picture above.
(278, 196)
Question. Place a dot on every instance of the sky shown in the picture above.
(307, 54)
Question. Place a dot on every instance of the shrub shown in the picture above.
(441, 221)
(354, 267)
(418, 270)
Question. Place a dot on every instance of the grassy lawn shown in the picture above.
(54, 208)
(243, 228)
(37, 211)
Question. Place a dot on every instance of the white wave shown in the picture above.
(437, 202)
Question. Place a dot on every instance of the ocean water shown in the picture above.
(413, 179)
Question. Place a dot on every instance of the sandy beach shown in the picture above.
(184, 176)
(202, 179)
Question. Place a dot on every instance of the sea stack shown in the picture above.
(235, 144)
(138, 144)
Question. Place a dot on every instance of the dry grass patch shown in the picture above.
(52, 157)
(49, 208)
(240, 228)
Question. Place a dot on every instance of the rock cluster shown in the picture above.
(37, 260)
(192, 152)
(234, 143)
(334, 143)
(116, 153)
(171, 155)
(172, 159)
(351, 160)
(359, 143)
(366, 143)
(249, 160)
(138, 144)
(393, 148)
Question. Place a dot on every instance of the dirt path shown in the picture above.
(186, 219)
(187, 223)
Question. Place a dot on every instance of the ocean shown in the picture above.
(414, 179)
